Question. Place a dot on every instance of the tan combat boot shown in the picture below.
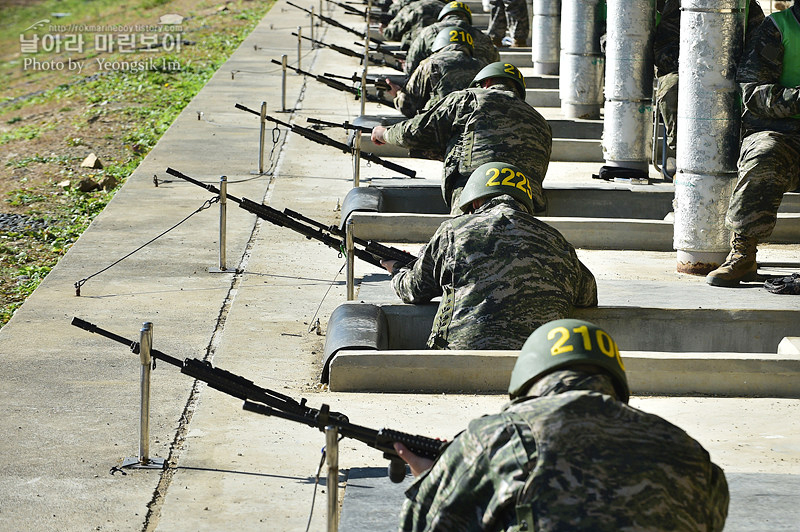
(740, 264)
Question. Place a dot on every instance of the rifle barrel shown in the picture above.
(318, 137)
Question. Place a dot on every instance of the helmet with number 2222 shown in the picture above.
(494, 179)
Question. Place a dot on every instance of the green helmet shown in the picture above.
(560, 344)
(501, 70)
(493, 179)
(456, 7)
(452, 35)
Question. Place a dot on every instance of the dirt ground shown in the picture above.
(70, 128)
(52, 119)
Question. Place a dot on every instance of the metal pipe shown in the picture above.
(581, 64)
(545, 36)
(145, 343)
(708, 130)
(364, 72)
(261, 136)
(311, 24)
(283, 82)
(628, 117)
(223, 212)
(299, 46)
(356, 158)
(349, 246)
(332, 455)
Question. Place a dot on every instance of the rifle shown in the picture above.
(271, 403)
(374, 15)
(339, 25)
(352, 53)
(379, 81)
(319, 138)
(338, 85)
(344, 125)
(333, 237)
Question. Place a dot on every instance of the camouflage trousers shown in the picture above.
(769, 166)
(509, 16)
(667, 98)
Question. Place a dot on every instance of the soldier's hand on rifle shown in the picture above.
(389, 265)
(417, 464)
(377, 135)
(394, 88)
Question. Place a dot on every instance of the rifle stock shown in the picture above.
(319, 138)
(270, 403)
(371, 252)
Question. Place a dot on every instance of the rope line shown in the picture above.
(206, 204)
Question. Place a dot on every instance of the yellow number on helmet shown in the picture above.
(559, 346)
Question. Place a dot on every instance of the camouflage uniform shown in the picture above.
(769, 160)
(513, 13)
(573, 458)
(476, 126)
(666, 48)
(420, 47)
(408, 22)
(450, 69)
(395, 8)
(501, 274)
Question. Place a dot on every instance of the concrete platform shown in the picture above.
(587, 233)
(71, 399)
(649, 373)
(603, 200)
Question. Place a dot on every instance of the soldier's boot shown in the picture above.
(739, 266)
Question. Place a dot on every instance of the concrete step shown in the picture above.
(586, 233)
(542, 97)
(519, 57)
(649, 373)
(605, 200)
(380, 347)
(540, 82)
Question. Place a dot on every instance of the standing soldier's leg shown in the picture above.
(667, 97)
(769, 166)
(497, 22)
(517, 16)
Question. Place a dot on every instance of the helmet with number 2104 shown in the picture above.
(452, 35)
(562, 344)
(456, 7)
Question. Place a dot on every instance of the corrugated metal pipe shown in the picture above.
(709, 119)
(628, 117)
(581, 78)
(545, 36)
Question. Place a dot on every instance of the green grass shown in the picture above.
(153, 99)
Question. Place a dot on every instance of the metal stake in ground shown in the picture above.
(144, 461)
(223, 216)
